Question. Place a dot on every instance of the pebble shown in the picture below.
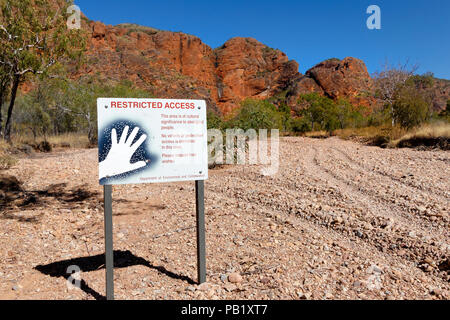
(359, 234)
(375, 269)
(235, 278)
(205, 286)
(230, 287)
(265, 280)
(191, 288)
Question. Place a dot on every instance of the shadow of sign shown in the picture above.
(14, 198)
(122, 259)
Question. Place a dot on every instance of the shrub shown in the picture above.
(214, 121)
(257, 114)
(285, 114)
(59, 106)
(410, 107)
(321, 112)
(300, 125)
(44, 146)
(446, 112)
(7, 161)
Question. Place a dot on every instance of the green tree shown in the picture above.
(349, 115)
(285, 114)
(446, 111)
(322, 112)
(300, 124)
(410, 107)
(257, 114)
(5, 81)
(389, 79)
(33, 38)
(61, 105)
(312, 108)
(214, 121)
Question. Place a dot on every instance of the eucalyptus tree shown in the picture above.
(34, 37)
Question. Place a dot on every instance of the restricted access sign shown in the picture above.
(151, 140)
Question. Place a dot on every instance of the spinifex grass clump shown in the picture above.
(433, 135)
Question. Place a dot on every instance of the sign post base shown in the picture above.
(109, 253)
(200, 212)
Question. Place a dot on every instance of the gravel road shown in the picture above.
(339, 221)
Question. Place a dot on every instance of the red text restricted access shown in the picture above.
(151, 105)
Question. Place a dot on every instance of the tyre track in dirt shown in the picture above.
(390, 206)
(405, 198)
(410, 233)
(310, 214)
(397, 239)
(434, 166)
(443, 195)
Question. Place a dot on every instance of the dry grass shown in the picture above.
(70, 140)
(430, 135)
(436, 135)
(4, 146)
(6, 159)
(67, 140)
(389, 132)
(317, 134)
(376, 136)
(23, 144)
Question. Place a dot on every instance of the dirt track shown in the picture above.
(339, 221)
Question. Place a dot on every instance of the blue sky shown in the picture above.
(307, 31)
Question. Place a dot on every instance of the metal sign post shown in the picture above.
(200, 211)
(109, 253)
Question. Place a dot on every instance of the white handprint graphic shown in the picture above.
(118, 159)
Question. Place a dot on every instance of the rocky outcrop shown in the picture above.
(342, 78)
(334, 78)
(247, 68)
(440, 93)
(178, 65)
(167, 64)
(98, 30)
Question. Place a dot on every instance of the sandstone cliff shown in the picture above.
(334, 78)
(178, 65)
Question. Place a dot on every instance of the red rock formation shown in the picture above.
(341, 78)
(177, 65)
(168, 64)
(441, 94)
(334, 78)
(247, 68)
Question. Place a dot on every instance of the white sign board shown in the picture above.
(151, 140)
